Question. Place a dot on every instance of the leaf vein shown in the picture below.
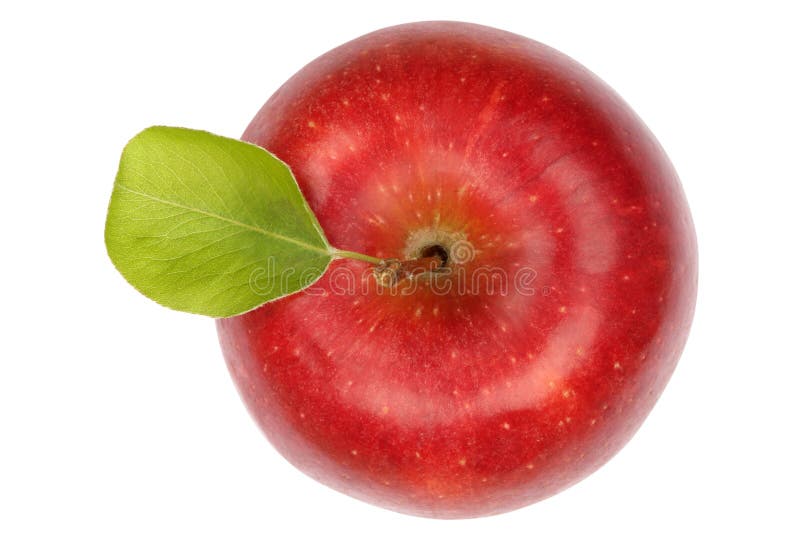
(302, 244)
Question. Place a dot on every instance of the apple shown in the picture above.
(556, 309)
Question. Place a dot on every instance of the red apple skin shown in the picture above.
(460, 405)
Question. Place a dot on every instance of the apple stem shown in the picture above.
(391, 272)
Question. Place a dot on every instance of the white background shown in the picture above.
(117, 415)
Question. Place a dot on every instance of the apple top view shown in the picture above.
(451, 270)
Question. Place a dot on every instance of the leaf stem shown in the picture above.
(336, 253)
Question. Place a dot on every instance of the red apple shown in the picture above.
(522, 166)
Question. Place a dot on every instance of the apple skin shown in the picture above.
(468, 404)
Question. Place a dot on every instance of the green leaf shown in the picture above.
(210, 225)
